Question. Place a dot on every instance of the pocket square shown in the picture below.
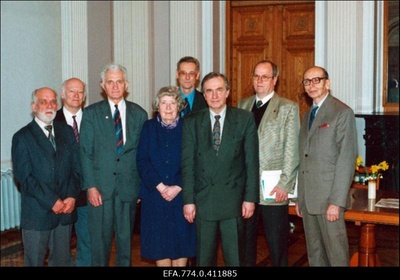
(324, 125)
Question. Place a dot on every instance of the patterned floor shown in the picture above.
(387, 247)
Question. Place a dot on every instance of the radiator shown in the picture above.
(10, 202)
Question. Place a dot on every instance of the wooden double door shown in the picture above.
(282, 31)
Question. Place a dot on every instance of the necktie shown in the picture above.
(187, 108)
(312, 116)
(118, 130)
(216, 133)
(51, 137)
(75, 127)
(259, 103)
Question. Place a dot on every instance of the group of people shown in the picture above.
(194, 168)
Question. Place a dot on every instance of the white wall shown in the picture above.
(30, 59)
(148, 37)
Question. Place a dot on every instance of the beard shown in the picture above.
(45, 117)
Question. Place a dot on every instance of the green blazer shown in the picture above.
(102, 166)
(218, 185)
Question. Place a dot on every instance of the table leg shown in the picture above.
(366, 255)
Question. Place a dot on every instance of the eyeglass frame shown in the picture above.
(315, 80)
(191, 74)
(264, 78)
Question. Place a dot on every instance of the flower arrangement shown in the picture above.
(372, 172)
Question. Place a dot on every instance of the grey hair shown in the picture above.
(34, 94)
(172, 91)
(113, 67)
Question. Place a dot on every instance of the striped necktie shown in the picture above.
(49, 128)
(75, 127)
(118, 130)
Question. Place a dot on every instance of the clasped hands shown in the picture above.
(168, 192)
(65, 206)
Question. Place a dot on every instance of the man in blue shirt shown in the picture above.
(187, 75)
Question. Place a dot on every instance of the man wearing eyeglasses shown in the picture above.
(278, 124)
(187, 76)
(328, 151)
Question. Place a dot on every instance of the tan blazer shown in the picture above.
(278, 135)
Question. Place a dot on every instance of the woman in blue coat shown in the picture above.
(166, 236)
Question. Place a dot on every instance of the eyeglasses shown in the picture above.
(185, 74)
(316, 80)
(264, 78)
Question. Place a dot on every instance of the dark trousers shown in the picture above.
(113, 217)
(230, 232)
(37, 242)
(275, 220)
(83, 256)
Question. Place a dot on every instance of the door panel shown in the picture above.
(282, 31)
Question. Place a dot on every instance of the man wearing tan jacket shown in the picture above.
(278, 123)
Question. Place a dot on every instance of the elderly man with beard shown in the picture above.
(47, 169)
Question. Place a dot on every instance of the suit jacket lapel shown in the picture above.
(109, 125)
(228, 133)
(249, 103)
(130, 126)
(271, 111)
(41, 138)
(206, 133)
(322, 113)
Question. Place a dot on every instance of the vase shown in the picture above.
(371, 189)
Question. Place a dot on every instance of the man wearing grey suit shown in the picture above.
(328, 151)
(220, 179)
(110, 175)
(278, 123)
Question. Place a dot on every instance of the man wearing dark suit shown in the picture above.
(110, 175)
(187, 76)
(220, 178)
(73, 95)
(47, 168)
(328, 152)
(278, 125)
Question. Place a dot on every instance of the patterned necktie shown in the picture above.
(216, 133)
(187, 108)
(259, 103)
(118, 130)
(312, 116)
(51, 137)
(75, 127)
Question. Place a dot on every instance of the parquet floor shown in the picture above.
(387, 247)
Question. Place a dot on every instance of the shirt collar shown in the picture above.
(266, 98)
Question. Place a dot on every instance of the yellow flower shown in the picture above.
(374, 169)
(359, 162)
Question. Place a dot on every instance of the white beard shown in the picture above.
(45, 118)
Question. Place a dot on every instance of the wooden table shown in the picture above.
(364, 213)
